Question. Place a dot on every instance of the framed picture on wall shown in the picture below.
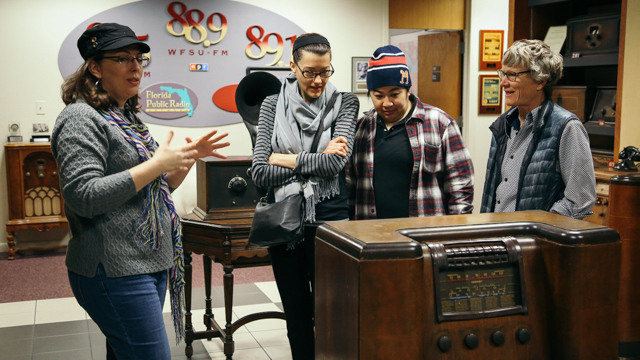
(359, 66)
(490, 95)
(491, 49)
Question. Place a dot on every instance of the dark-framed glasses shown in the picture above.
(128, 60)
(512, 76)
(308, 74)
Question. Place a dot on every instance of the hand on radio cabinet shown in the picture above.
(337, 146)
(208, 144)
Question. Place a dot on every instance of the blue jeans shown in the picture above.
(128, 311)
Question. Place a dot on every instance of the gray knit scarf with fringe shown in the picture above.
(295, 126)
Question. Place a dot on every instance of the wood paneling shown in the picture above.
(427, 14)
(624, 213)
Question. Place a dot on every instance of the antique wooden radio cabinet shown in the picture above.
(524, 285)
(225, 188)
(33, 185)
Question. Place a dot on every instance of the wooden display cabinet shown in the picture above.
(598, 69)
(33, 191)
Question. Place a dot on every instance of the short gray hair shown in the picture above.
(535, 55)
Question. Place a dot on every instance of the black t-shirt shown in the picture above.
(335, 208)
(392, 168)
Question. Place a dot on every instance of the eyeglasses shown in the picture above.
(308, 74)
(128, 60)
(512, 76)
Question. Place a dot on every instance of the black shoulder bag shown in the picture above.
(282, 222)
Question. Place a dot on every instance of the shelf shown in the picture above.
(595, 129)
(591, 60)
(544, 2)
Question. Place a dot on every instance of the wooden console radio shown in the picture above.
(523, 285)
(33, 188)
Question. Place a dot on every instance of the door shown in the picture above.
(440, 69)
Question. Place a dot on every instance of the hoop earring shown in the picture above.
(98, 86)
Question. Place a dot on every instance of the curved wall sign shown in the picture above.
(199, 50)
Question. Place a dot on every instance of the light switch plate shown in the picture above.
(39, 107)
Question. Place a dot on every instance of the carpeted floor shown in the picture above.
(38, 275)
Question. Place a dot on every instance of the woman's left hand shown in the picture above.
(208, 144)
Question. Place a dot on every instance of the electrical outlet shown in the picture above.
(40, 107)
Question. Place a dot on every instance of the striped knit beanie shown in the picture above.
(388, 67)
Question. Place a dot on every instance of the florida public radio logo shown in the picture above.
(168, 101)
(199, 67)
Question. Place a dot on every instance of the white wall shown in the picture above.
(34, 31)
(481, 15)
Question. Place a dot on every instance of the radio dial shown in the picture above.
(471, 341)
(497, 338)
(444, 343)
(523, 335)
(237, 185)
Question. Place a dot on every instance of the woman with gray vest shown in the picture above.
(540, 157)
(116, 182)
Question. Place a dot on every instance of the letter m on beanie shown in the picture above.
(405, 77)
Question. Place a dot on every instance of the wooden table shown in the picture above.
(225, 242)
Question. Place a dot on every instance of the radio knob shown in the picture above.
(497, 338)
(237, 185)
(523, 335)
(444, 343)
(471, 341)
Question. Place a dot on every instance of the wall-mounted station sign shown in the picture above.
(200, 51)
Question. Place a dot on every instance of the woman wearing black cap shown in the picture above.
(116, 182)
(287, 125)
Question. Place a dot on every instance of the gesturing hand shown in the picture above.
(169, 158)
(207, 145)
(337, 146)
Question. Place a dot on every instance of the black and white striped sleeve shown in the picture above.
(265, 175)
(328, 165)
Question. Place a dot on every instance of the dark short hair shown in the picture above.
(315, 48)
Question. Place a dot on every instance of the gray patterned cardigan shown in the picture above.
(100, 198)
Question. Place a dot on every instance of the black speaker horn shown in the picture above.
(251, 92)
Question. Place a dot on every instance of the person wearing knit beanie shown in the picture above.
(421, 166)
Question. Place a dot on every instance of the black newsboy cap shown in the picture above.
(108, 36)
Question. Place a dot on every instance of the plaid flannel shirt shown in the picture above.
(442, 176)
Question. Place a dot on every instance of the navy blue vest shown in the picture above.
(540, 184)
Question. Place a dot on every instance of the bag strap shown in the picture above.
(316, 138)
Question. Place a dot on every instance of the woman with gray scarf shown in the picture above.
(282, 161)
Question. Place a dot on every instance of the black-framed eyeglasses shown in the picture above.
(308, 74)
(128, 60)
(512, 76)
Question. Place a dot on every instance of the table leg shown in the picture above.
(208, 316)
(12, 245)
(228, 305)
(188, 326)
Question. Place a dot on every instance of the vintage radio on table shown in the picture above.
(593, 40)
(575, 99)
(523, 285)
(225, 188)
(604, 106)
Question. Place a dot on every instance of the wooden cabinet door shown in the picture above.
(440, 69)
